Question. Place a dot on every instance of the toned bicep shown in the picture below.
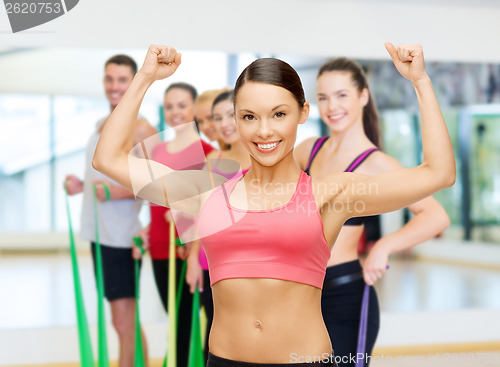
(146, 139)
(148, 179)
(386, 192)
(143, 131)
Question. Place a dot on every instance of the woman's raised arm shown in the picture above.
(397, 189)
(112, 153)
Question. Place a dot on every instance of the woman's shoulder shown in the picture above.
(378, 162)
(214, 154)
(307, 144)
(303, 151)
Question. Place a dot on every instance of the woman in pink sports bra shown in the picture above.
(266, 246)
(346, 107)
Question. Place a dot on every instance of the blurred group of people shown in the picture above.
(354, 144)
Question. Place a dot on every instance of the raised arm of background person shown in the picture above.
(117, 138)
(429, 220)
(397, 189)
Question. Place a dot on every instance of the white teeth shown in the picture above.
(337, 116)
(267, 146)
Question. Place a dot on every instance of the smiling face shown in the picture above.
(205, 121)
(117, 79)
(268, 117)
(178, 107)
(224, 121)
(339, 101)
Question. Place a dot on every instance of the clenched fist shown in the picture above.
(409, 60)
(160, 62)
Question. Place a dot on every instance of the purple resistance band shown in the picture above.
(363, 324)
(363, 327)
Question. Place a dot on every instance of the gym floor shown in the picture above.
(38, 322)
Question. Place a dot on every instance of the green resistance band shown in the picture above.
(107, 193)
(101, 323)
(195, 358)
(86, 353)
(178, 295)
(139, 348)
(171, 306)
(203, 318)
(178, 299)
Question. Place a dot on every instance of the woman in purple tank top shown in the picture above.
(346, 107)
(264, 318)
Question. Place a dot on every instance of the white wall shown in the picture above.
(79, 71)
(66, 55)
(449, 29)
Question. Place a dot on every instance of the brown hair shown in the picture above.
(209, 96)
(224, 96)
(122, 60)
(371, 123)
(275, 72)
(184, 86)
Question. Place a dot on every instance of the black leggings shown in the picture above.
(208, 303)
(215, 361)
(160, 269)
(341, 307)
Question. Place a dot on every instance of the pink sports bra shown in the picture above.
(233, 172)
(285, 243)
(228, 175)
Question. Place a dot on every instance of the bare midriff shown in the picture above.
(267, 321)
(345, 247)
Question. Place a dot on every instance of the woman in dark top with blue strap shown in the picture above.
(346, 107)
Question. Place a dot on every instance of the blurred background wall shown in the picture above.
(51, 95)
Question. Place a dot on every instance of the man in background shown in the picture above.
(117, 216)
